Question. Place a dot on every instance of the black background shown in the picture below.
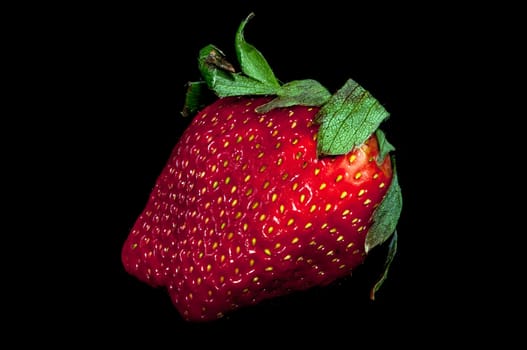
(107, 85)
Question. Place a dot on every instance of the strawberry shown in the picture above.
(273, 188)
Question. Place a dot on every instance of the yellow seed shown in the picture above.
(270, 229)
(255, 205)
(255, 279)
(293, 125)
(317, 171)
(339, 178)
(340, 238)
(352, 158)
(262, 217)
(233, 189)
(226, 144)
(215, 184)
(236, 271)
(295, 186)
(269, 268)
(367, 201)
(251, 137)
(322, 186)
(262, 168)
(215, 245)
(253, 241)
(346, 212)
(251, 262)
(295, 240)
(290, 222)
(266, 184)
(275, 132)
(267, 251)
(213, 168)
(230, 235)
(234, 202)
(330, 253)
(295, 141)
(375, 176)
(227, 180)
(222, 258)
(260, 155)
(238, 215)
(313, 208)
(308, 225)
(249, 192)
(333, 230)
(358, 175)
(361, 192)
(291, 113)
(274, 197)
(354, 220)
(245, 226)
(277, 245)
(278, 144)
(282, 208)
(287, 257)
(270, 123)
(239, 139)
(222, 279)
(247, 178)
(302, 198)
(198, 281)
(209, 267)
(200, 255)
(381, 185)
(328, 207)
(342, 266)
(324, 225)
(238, 249)
(279, 161)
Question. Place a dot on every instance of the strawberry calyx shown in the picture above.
(346, 118)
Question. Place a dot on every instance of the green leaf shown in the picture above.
(193, 98)
(220, 78)
(386, 215)
(350, 116)
(392, 251)
(299, 92)
(252, 62)
(384, 146)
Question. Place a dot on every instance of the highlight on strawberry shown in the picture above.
(272, 188)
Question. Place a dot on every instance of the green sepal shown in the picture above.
(306, 92)
(384, 146)
(386, 216)
(350, 116)
(220, 77)
(392, 251)
(252, 62)
(193, 98)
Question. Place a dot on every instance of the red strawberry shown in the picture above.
(258, 199)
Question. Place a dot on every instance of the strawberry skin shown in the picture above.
(245, 210)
